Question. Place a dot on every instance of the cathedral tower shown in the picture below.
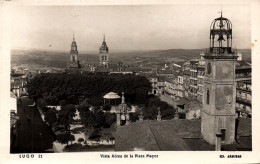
(103, 54)
(219, 91)
(74, 63)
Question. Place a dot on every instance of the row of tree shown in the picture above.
(86, 91)
(74, 88)
(59, 121)
(154, 105)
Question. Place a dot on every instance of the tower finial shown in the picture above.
(73, 38)
(104, 38)
(221, 11)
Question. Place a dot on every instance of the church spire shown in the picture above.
(74, 49)
(74, 63)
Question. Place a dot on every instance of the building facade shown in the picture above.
(169, 87)
(244, 98)
(186, 83)
(243, 87)
(18, 83)
(201, 72)
(154, 82)
(180, 85)
(193, 79)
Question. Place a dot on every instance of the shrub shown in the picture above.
(107, 107)
(112, 138)
(92, 137)
(80, 140)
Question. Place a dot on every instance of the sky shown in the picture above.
(129, 27)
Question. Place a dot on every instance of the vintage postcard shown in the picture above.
(130, 81)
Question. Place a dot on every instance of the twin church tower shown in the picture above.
(103, 55)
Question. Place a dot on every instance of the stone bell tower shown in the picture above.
(219, 90)
(103, 54)
(74, 63)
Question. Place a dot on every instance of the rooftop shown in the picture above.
(243, 65)
(174, 135)
(111, 95)
(17, 74)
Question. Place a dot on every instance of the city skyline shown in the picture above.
(145, 27)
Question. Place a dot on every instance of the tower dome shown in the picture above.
(221, 36)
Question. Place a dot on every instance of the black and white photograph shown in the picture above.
(131, 78)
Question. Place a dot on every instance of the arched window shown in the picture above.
(207, 96)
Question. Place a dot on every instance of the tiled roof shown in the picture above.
(166, 71)
(173, 135)
(186, 72)
(153, 75)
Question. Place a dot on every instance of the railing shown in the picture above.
(238, 76)
(244, 89)
(242, 100)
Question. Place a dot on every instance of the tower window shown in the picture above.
(223, 136)
(208, 96)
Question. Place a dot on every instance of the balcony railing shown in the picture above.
(243, 101)
(244, 89)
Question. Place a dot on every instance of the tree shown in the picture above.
(50, 116)
(112, 139)
(64, 138)
(152, 107)
(41, 103)
(74, 88)
(80, 140)
(71, 138)
(65, 117)
(109, 119)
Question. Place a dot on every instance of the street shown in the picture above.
(33, 134)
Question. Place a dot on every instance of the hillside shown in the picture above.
(59, 59)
